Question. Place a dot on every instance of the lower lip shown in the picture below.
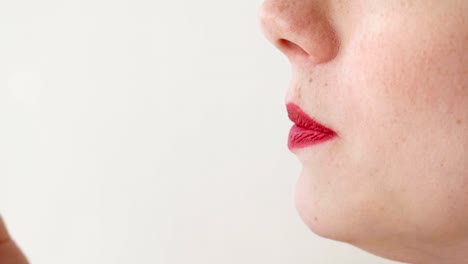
(300, 137)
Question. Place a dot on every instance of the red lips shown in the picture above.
(306, 131)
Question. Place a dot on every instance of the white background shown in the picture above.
(149, 132)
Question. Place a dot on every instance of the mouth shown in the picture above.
(306, 131)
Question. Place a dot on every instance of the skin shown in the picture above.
(9, 251)
(391, 78)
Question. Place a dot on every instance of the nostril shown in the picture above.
(291, 49)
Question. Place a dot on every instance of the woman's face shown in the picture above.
(390, 77)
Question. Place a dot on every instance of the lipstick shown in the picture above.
(305, 131)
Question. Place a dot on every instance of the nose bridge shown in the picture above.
(299, 28)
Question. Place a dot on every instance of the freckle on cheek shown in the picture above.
(459, 121)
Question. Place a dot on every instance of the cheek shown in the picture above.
(408, 95)
(402, 83)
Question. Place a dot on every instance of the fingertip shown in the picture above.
(4, 235)
(10, 253)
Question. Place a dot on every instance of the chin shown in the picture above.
(330, 222)
(342, 210)
(347, 217)
(322, 214)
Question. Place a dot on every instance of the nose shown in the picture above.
(300, 29)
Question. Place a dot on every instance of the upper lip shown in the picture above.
(301, 119)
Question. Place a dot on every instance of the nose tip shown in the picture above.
(299, 29)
